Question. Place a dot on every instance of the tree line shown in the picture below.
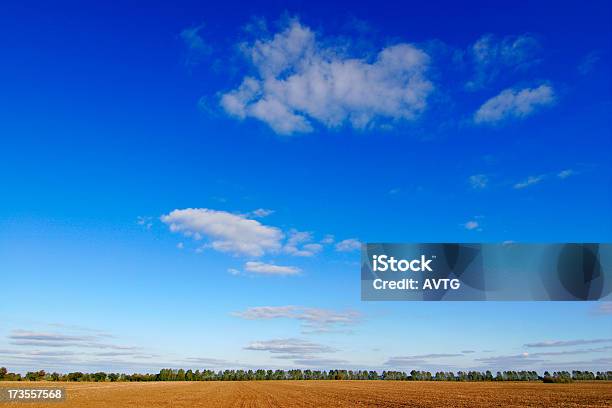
(168, 374)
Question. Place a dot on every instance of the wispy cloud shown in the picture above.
(588, 62)
(348, 245)
(490, 56)
(565, 173)
(478, 181)
(261, 268)
(472, 225)
(566, 343)
(261, 212)
(301, 81)
(514, 104)
(420, 359)
(44, 339)
(313, 319)
(299, 243)
(146, 222)
(291, 347)
(197, 48)
(603, 308)
(530, 181)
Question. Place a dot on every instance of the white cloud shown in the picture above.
(516, 104)
(197, 48)
(471, 225)
(490, 56)
(328, 239)
(227, 232)
(299, 244)
(565, 173)
(531, 180)
(348, 245)
(261, 212)
(144, 221)
(262, 268)
(314, 319)
(567, 343)
(300, 80)
(291, 347)
(604, 308)
(478, 181)
(588, 62)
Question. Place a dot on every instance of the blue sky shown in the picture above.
(186, 185)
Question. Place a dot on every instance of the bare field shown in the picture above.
(326, 394)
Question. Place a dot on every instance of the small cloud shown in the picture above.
(394, 191)
(566, 343)
(478, 181)
(261, 212)
(313, 319)
(588, 62)
(514, 104)
(471, 225)
(468, 351)
(299, 244)
(348, 245)
(227, 232)
(327, 239)
(421, 359)
(261, 268)
(205, 361)
(604, 308)
(180, 245)
(197, 48)
(530, 181)
(492, 56)
(292, 348)
(233, 271)
(565, 173)
(146, 222)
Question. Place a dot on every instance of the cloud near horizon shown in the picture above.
(314, 320)
(300, 81)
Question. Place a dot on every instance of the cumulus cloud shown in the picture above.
(227, 232)
(299, 81)
(348, 245)
(478, 181)
(313, 319)
(514, 104)
(490, 56)
(531, 180)
(261, 268)
(565, 343)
